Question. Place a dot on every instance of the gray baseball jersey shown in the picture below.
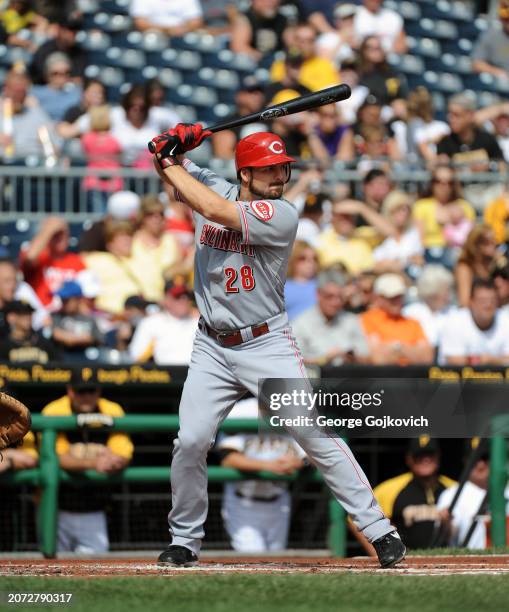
(240, 276)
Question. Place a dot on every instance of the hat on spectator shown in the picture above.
(389, 285)
(343, 11)
(250, 83)
(18, 307)
(69, 290)
(395, 199)
(177, 288)
(370, 100)
(423, 445)
(123, 205)
(136, 301)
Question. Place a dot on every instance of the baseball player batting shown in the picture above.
(244, 236)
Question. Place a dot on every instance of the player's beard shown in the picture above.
(272, 192)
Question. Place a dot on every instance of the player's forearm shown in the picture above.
(239, 461)
(202, 199)
(75, 464)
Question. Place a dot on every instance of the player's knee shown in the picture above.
(192, 444)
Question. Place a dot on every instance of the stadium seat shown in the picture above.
(89, 7)
(184, 60)
(167, 76)
(113, 23)
(408, 10)
(229, 60)
(116, 7)
(424, 47)
(95, 40)
(129, 59)
(196, 96)
(155, 42)
(445, 82)
(194, 41)
(186, 113)
(407, 64)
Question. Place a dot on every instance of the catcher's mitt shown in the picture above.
(15, 421)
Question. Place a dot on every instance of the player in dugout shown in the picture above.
(244, 236)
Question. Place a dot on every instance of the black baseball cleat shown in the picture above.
(178, 556)
(390, 549)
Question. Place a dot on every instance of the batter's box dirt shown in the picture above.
(412, 566)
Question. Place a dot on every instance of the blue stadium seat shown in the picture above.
(168, 77)
(408, 10)
(13, 55)
(116, 7)
(186, 113)
(129, 59)
(113, 23)
(407, 64)
(229, 60)
(424, 47)
(94, 40)
(154, 42)
(89, 7)
(445, 82)
(196, 96)
(184, 60)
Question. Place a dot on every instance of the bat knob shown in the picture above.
(151, 147)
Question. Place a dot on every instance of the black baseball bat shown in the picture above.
(297, 105)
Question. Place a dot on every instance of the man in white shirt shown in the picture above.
(479, 334)
(373, 20)
(172, 17)
(167, 337)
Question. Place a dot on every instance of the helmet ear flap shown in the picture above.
(288, 172)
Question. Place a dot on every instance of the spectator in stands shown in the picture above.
(12, 287)
(403, 251)
(59, 94)
(72, 331)
(102, 151)
(22, 343)
(330, 139)
(371, 19)
(260, 31)
(290, 79)
(434, 290)
(20, 122)
(249, 98)
(169, 16)
(47, 263)
(495, 119)
(424, 131)
(58, 11)
(467, 144)
(315, 72)
(300, 287)
(491, 53)
(410, 500)
(376, 186)
(325, 333)
(337, 44)
(82, 526)
(20, 16)
(306, 196)
(154, 249)
(369, 117)
(167, 337)
(121, 206)
(318, 13)
(437, 210)
(500, 277)
(337, 244)
(478, 259)
(134, 128)
(65, 41)
(358, 294)
(392, 337)
(351, 77)
(119, 337)
(113, 268)
(479, 334)
(159, 113)
(256, 512)
(94, 94)
(375, 73)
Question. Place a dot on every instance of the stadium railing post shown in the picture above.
(337, 529)
(47, 516)
(497, 483)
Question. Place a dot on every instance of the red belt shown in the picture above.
(233, 338)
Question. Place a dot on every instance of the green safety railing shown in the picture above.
(49, 475)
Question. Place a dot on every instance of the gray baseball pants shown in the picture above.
(218, 377)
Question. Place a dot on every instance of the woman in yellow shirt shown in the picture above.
(154, 250)
(433, 213)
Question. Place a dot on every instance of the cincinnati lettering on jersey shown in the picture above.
(225, 240)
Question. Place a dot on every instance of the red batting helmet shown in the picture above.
(261, 149)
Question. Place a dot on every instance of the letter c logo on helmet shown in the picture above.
(276, 147)
(261, 149)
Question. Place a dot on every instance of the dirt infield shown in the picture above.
(412, 566)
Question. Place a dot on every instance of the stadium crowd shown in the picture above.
(384, 271)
